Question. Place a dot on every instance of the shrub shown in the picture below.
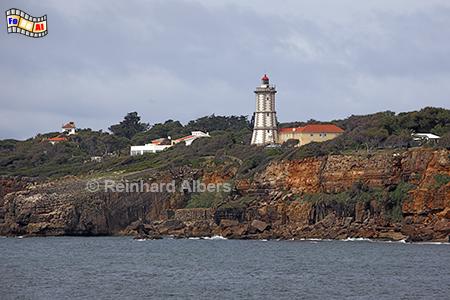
(394, 201)
(206, 200)
(441, 180)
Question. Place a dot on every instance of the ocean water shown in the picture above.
(123, 268)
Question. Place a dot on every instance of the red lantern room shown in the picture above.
(265, 79)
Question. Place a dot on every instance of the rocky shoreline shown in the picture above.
(332, 197)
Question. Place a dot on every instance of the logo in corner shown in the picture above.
(18, 21)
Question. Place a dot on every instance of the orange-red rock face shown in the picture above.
(297, 176)
(426, 207)
(278, 207)
(337, 173)
(429, 198)
(427, 210)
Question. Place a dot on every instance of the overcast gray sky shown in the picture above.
(186, 59)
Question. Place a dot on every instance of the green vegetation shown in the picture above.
(171, 128)
(382, 130)
(129, 127)
(441, 180)
(391, 200)
(208, 199)
(36, 157)
(205, 200)
(394, 200)
(230, 142)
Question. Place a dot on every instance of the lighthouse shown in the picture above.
(265, 119)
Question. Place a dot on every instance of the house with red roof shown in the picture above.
(56, 140)
(309, 133)
(191, 138)
(69, 128)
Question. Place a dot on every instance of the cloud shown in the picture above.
(185, 59)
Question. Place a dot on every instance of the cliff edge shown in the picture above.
(395, 195)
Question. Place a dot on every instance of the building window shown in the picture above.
(312, 134)
(268, 114)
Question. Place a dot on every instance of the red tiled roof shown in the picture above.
(329, 128)
(290, 129)
(314, 128)
(183, 138)
(57, 139)
(69, 125)
(158, 141)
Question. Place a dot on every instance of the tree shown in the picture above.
(130, 126)
(171, 128)
(444, 141)
(213, 122)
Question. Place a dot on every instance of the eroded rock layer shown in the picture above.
(387, 195)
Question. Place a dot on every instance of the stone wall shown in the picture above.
(194, 214)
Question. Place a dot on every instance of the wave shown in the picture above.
(349, 239)
(390, 241)
(215, 237)
(432, 243)
(312, 240)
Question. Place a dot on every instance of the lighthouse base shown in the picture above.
(264, 137)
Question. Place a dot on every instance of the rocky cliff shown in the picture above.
(388, 195)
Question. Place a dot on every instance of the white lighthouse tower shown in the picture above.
(265, 128)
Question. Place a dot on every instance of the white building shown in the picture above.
(191, 138)
(265, 127)
(69, 128)
(148, 148)
(425, 137)
(158, 146)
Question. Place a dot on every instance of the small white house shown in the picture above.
(158, 144)
(188, 140)
(69, 128)
(425, 137)
(148, 148)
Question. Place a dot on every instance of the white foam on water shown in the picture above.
(432, 243)
(390, 241)
(357, 240)
(215, 237)
(312, 240)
